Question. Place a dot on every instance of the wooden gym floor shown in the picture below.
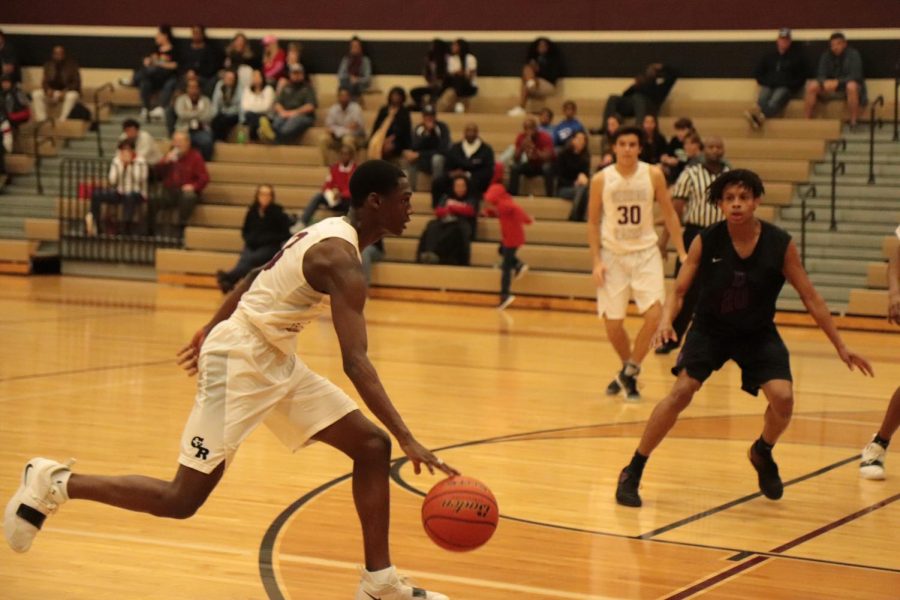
(87, 370)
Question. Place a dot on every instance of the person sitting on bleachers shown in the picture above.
(128, 179)
(392, 131)
(273, 63)
(194, 113)
(545, 121)
(533, 155)
(266, 227)
(345, 125)
(145, 146)
(839, 75)
(226, 106)
(14, 101)
(460, 83)
(447, 239)
(61, 84)
(654, 144)
(573, 167)
(569, 126)
(203, 58)
(431, 139)
(539, 75)
(645, 96)
(355, 70)
(434, 71)
(781, 73)
(157, 73)
(6, 144)
(240, 58)
(9, 59)
(693, 149)
(674, 158)
(335, 194)
(294, 56)
(183, 174)
(256, 102)
(610, 126)
(295, 111)
(471, 158)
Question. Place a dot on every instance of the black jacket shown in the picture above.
(401, 128)
(656, 89)
(271, 228)
(782, 70)
(480, 165)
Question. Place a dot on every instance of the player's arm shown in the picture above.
(796, 275)
(683, 282)
(894, 286)
(190, 354)
(595, 211)
(332, 268)
(673, 224)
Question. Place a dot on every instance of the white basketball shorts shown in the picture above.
(634, 274)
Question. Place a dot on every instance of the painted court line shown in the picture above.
(472, 581)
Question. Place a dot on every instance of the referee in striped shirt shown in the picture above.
(689, 198)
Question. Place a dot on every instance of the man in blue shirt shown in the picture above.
(569, 126)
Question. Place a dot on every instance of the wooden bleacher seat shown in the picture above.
(42, 230)
(15, 256)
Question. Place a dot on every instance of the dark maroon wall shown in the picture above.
(466, 15)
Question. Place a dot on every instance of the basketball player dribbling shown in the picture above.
(627, 261)
(740, 264)
(249, 374)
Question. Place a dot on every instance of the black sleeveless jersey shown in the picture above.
(737, 295)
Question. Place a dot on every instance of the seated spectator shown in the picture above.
(257, 100)
(145, 146)
(158, 73)
(460, 83)
(128, 179)
(345, 124)
(294, 56)
(674, 158)
(431, 139)
(654, 144)
(203, 59)
(780, 74)
(355, 70)
(839, 76)
(61, 84)
(539, 75)
(512, 231)
(295, 111)
(573, 167)
(335, 194)
(533, 156)
(13, 101)
(6, 143)
(645, 96)
(471, 158)
(266, 227)
(434, 71)
(693, 149)
(273, 64)
(9, 60)
(610, 126)
(447, 239)
(183, 174)
(226, 106)
(392, 131)
(240, 58)
(194, 113)
(569, 126)
(545, 121)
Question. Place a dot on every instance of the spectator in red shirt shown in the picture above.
(512, 229)
(335, 192)
(183, 174)
(533, 156)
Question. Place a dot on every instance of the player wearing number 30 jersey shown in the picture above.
(623, 241)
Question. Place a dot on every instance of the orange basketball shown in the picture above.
(460, 514)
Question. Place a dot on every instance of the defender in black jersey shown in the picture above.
(740, 265)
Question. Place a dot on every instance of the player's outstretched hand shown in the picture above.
(190, 354)
(665, 333)
(419, 455)
(852, 359)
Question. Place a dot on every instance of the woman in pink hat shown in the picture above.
(273, 60)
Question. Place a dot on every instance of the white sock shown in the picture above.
(61, 481)
(631, 369)
(381, 577)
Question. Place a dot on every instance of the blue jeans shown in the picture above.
(288, 130)
(510, 263)
(129, 203)
(773, 100)
(319, 200)
(202, 140)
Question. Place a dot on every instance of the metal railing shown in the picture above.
(879, 101)
(39, 138)
(99, 106)
(805, 217)
(92, 226)
(836, 169)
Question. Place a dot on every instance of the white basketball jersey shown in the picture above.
(280, 302)
(627, 202)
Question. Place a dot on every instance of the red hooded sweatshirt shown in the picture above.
(512, 217)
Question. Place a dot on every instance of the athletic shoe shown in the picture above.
(666, 347)
(459, 108)
(614, 388)
(872, 465)
(629, 384)
(520, 271)
(517, 111)
(41, 493)
(157, 113)
(504, 304)
(767, 473)
(126, 82)
(266, 132)
(752, 119)
(396, 588)
(627, 489)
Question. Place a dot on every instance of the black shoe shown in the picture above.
(629, 384)
(666, 347)
(767, 473)
(613, 388)
(627, 490)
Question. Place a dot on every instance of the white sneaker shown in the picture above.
(42, 491)
(872, 465)
(459, 108)
(504, 304)
(395, 588)
(517, 111)
(158, 113)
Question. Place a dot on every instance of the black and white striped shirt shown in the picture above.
(691, 186)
